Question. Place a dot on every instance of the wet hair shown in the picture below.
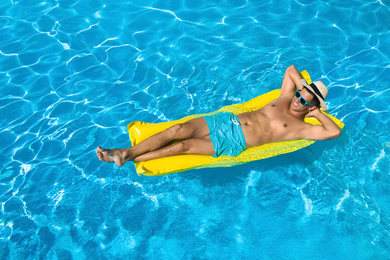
(315, 100)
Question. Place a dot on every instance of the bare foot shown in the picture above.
(111, 155)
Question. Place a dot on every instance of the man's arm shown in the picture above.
(328, 129)
(291, 81)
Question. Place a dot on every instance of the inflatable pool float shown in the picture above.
(139, 131)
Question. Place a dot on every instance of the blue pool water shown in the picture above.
(73, 73)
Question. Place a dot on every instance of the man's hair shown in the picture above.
(315, 100)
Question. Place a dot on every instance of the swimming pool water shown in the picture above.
(73, 73)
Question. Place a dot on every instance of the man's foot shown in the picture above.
(111, 155)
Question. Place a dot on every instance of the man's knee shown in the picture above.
(183, 147)
(180, 130)
(174, 130)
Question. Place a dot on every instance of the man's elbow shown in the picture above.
(334, 134)
(292, 67)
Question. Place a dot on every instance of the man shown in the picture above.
(228, 134)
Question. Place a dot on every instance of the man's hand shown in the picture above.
(313, 112)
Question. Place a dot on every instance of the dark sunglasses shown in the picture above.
(301, 99)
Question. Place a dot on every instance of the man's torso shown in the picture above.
(271, 123)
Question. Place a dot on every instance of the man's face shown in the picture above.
(297, 106)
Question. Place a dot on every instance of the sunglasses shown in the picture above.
(301, 99)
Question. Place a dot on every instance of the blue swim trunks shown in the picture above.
(226, 134)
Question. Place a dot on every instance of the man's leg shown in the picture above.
(202, 146)
(195, 128)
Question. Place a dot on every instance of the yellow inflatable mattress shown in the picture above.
(139, 131)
